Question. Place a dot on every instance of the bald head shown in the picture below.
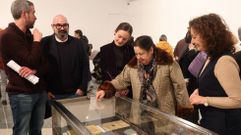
(60, 27)
(60, 19)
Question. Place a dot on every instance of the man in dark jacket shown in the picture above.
(17, 43)
(68, 62)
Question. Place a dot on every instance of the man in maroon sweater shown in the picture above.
(20, 45)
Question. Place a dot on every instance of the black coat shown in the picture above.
(184, 62)
(77, 66)
(108, 62)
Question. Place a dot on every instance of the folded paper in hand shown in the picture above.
(14, 66)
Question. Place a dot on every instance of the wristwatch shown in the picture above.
(206, 103)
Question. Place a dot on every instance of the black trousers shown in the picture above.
(222, 121)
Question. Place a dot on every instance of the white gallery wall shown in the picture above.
(99, 18)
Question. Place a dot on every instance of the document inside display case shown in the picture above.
(119, 126)
(122, 116)
(115, 125)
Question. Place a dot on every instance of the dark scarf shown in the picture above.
(146, 76)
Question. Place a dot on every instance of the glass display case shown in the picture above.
(116, 116)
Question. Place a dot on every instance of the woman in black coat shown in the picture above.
(115, 55)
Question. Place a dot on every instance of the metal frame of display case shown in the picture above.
(177, 120)
(68, 116)
(59, 109)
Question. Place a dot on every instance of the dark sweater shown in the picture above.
(221, 121)
(68, 65)
(113, 59)
(19, 46)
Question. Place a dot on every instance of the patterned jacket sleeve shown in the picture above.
(122, 81)
(179, 86)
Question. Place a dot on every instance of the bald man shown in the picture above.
(68, 62)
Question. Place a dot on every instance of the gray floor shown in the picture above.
(6, 120)
(5, 116)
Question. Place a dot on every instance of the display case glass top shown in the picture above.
(121, 116)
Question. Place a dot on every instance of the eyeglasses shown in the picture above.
(59, 26)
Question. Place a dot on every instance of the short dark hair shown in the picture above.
(144, 42)
(188, 37)
(124, 26)
(239, 33)
(163, 37)
(18, 6)
(78, 31)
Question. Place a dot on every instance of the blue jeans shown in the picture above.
(28, 113)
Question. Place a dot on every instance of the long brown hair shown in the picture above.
(215, 33)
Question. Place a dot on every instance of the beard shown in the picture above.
(30, 25)
(62, 34)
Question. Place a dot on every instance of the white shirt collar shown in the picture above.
(60, 40)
